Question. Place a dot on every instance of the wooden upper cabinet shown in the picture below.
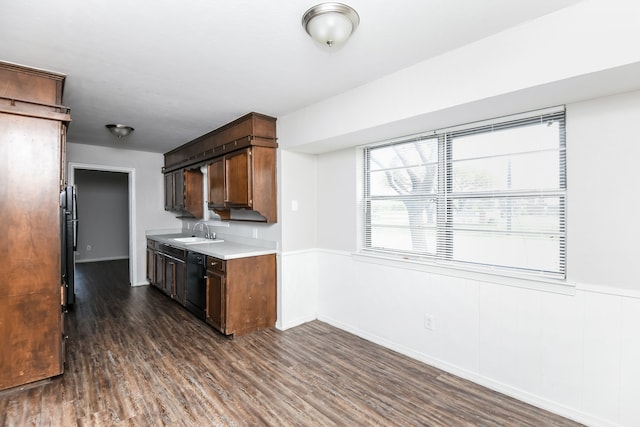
(263, 174)
(249, 130)
(238, 177)
(183, 192)
(245, 179)
(241, 164)
(193, 201)
(169, 191)
(217, 195)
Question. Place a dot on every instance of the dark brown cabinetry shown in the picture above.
(167, 269)
(183, 192)
(241, 294)
(151, 261)
(215, 282)
(175, 273)
(244, 179)
(32, 132)
(174, 191)
(241, 162)
(217, 188)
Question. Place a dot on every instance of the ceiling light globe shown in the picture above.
(330, 24)
(119, 130)
(331, 29)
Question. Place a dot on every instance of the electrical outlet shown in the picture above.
(429, 322)
(88, 248)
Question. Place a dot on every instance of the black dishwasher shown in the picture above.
(196, 286)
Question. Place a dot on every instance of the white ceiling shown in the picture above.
(175, 70)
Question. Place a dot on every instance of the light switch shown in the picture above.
(294, 205)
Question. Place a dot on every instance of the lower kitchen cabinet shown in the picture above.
(175, 276)
(151, 261)
(241, 294)
(215, 278)
(167, 269)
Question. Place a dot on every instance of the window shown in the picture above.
(490, 195)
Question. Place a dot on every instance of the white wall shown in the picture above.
(149, 192)
(298, 289)
(573, 354)
(603, 202)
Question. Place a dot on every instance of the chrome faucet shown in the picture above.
(208, 234)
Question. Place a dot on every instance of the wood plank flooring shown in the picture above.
(136, 358)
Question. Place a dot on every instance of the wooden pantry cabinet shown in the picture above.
(32, 146)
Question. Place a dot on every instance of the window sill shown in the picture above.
(535, 283)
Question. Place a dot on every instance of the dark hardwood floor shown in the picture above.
(136, 358)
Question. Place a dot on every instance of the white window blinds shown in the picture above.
(491, 196)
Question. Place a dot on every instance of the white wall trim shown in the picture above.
(608, 290)
(564, 288)
(300, 252)
(292, 323)
(132, 205)
(476, 378)
(545, 285)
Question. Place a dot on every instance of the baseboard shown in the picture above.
(145, 283)
(116, 258)
(283, 326)
(516, 393)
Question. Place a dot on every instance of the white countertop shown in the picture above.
(220, 249)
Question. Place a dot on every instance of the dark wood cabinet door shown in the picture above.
(180, 282)
(193, 192)
(169, 276)
(263, 169)
(178, 190)
(216, 183)
(169, 192)
(31, 337)
(159, 276)
(238, 178)
(151, 265)
(174, 190)
(215, 310)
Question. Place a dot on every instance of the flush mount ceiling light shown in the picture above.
(120, 130)
(330, 24)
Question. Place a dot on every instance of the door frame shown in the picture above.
(132, 206)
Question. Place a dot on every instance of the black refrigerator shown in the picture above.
(69, 237)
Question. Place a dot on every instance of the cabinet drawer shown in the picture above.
(216, 264)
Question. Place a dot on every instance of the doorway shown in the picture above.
(106, 213)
